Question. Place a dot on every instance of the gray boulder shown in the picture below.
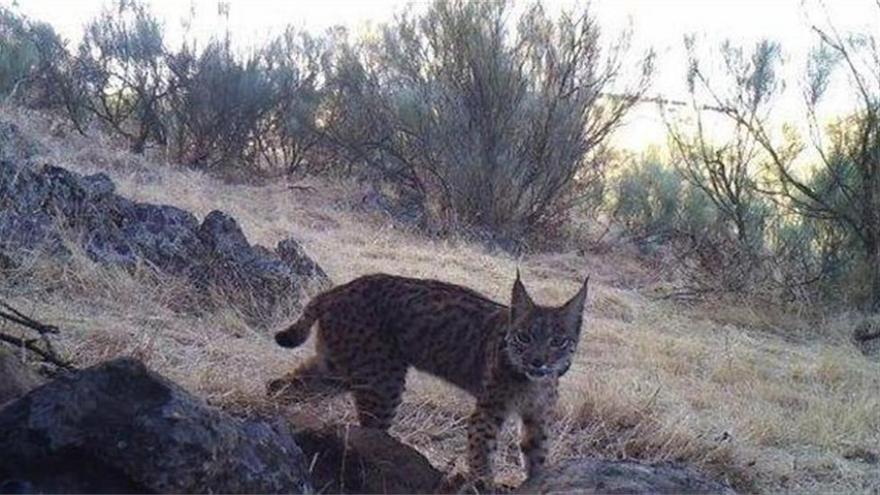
(120, 428)
(214, 255)
(597, 476)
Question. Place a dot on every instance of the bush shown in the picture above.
(286, 135)
(659, 205)
(121, 64)
(487, 124)
(17, 55)
(217, 103)
(493, 129)
(254, 111)
(648, 200)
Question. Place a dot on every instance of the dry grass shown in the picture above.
(766, 401)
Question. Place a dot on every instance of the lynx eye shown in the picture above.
(560, 341)
(523, 338)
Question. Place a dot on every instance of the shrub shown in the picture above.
(659, 205)
(217, 104)
(121, 64)
(286, 134)
(492, 128)
(648, 200)
(17, 55)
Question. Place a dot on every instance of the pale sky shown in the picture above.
(660, 24)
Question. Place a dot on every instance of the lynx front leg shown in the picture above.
(534, 443)
(485, 422)
(535, 417)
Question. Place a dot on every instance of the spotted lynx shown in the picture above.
(372, 329)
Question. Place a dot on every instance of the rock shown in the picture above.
(118, 427)
(296, 257)
(18, 378)
(98, 186)
(352, 459)
(164, 235)
(221, 234)
(214, 255)
(588, 476)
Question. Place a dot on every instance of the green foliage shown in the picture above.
(17, 54)
(649, 196)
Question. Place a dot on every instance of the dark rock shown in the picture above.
(118, 427)
(222, 235)
(214, 255)
(16, 487)
(352, 459)
(98, 186)
(588, 476)
(292, 254)
(163, 235)
(17, 377)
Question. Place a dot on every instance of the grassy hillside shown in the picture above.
(765, 400)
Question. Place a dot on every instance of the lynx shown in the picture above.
(372, 329)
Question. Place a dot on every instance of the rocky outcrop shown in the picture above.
(41, 208)
(595, 476)
(120, 428)
(16, 378)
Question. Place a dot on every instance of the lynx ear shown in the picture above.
(520, 302)
(574, 308)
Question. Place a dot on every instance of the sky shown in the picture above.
(658, 24)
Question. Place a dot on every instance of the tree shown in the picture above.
(725, 165)
(844, 189)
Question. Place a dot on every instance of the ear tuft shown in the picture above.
(574, 308)
(520, 302)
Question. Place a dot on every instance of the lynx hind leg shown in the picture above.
(378, 393)
(313, 377)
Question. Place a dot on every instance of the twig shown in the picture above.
(16, 316)
(47, 356)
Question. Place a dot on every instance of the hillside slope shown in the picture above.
(766, 401)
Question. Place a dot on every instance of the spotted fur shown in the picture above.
(372, 329)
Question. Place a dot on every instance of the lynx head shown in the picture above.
(541, 340)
